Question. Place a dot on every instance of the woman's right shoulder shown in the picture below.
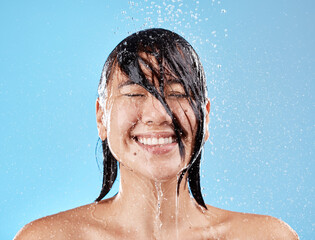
(58, 226)
(43, 228)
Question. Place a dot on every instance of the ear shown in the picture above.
(207, 114)
(102, 132)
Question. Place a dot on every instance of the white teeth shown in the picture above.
(155, 141)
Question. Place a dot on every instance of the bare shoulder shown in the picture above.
(254, 226)
(265, 227)
(63, 225)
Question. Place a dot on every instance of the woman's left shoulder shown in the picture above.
(262, 226)
(237, 225)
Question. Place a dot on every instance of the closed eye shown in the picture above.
(134, 95)
(177, 95)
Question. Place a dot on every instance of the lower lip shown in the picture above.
(158, 149)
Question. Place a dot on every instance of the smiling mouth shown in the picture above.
(152, 141)
(156, 145)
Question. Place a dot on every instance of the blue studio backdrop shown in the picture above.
(259, 62)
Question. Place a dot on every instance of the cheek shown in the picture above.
(183, 111)
(121, 119)
(123, 116)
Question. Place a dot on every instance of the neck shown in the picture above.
(154, 205)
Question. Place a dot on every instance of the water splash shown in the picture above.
(158, 223)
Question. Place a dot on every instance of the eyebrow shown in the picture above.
(126, 83)
(129, 82)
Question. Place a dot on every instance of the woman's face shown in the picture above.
(139, 131)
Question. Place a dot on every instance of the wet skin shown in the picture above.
(84, 223)
(132, 115)
(147, 206)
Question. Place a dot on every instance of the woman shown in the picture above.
(152, 117)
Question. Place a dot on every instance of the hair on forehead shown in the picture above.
(163, 46)
(152, 58)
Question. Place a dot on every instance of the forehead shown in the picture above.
(148, 73)
(150, 65)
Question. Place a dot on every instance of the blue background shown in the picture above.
(259, 61)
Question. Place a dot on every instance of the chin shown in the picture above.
(163, 175)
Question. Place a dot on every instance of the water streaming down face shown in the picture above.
(168, 58)
(158, 223)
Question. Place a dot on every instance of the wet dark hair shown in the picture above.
(175, 55)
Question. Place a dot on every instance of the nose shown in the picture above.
(153, 112)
